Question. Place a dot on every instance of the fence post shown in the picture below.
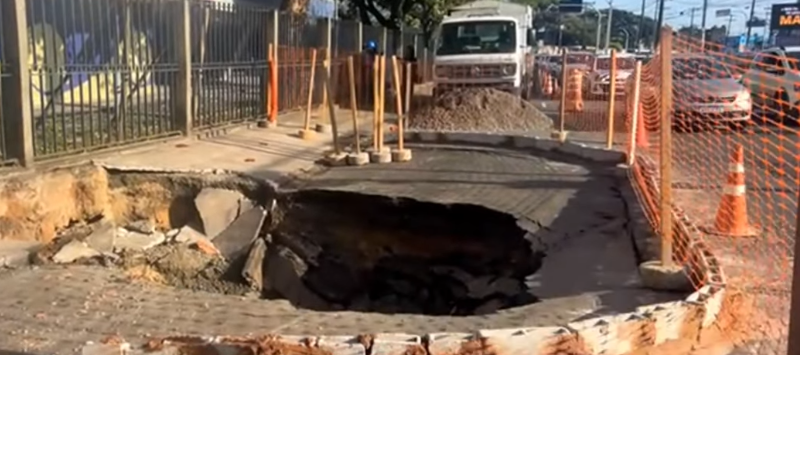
(359, 37)
(562, 107)
(183, 50)
(384, 40)
(17, 113)
(633, 109)
(327, 25)
(612, 93)
(666, 147)
(272, 42)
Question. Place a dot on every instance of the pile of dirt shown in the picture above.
(487, 110)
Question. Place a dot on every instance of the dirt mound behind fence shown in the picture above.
(479, 110)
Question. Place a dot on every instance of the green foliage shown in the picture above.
(581, 29)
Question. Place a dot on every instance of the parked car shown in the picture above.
(705, 90)
(598, 81)
(774, 81)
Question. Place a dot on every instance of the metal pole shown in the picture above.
(659, 22)
(691, 21)
(730, 23)
(750, 22)
(612, 93)
(703, 26)
(638, 40)
(666, 148)
(562, 108)
(608, 24)
(599, 28)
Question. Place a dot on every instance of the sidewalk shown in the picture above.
(268, 153)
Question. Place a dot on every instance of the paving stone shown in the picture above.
(134, 241)
(17, 253)
(530, 341)
(74, 251)
(218, 208)
(239, 236)
(342, 345)
(397, 344)
(448, 343)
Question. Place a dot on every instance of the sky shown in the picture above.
(677, 13)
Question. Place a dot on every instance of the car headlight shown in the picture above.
(743, 97)
(508, 70)
(441, 71)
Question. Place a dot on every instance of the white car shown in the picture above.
(598, 81)
(773, 79)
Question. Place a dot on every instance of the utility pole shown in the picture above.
(638, 41)
(691, 19)
(703, 26)
(750, 22)
(659, 23)
(608, 24)
(599, 27)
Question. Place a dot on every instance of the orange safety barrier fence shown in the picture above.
(734, 166)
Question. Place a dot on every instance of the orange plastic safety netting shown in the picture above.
(734, 166)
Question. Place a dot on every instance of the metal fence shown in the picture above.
(101, 73)
(229, 63)
(105, 73)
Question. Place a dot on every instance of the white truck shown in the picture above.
(486, 43)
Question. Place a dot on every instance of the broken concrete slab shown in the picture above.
(147, 226)
(285, 271)
(187, 235)
(239, 236)
(103, 238)
(218, 208)
(253, 271)
(74, 251)
(17, 253)
(134, 241)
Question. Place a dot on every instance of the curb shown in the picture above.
(635, 332)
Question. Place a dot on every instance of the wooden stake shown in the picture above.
(326, 66)
(273, 77)
(375, 94)
(334, 129)
(409, 81)
(351, 75)
(382, 102)
(307, 122)
(398, 95)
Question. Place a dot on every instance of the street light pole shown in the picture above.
(703, 26)
(750, 21)
(608, 24)
(638, 41)
(599, 27)
(659, 23)
(627, 38)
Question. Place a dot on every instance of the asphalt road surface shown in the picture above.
(700, 167)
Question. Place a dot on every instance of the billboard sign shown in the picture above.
(570, 6)
(723, 13)
(785, 16)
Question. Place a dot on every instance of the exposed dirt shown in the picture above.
(479, 110)
(184, 267)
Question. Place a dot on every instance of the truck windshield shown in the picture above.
(490, 36)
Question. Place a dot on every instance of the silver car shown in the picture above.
(704, 90)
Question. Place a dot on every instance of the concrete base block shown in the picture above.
(357, 159)
(664, 278)
(560, 136)
(336, 159)
(381, 157)
(323, 128)
(307, 135)
(403, 155)
(262, 124)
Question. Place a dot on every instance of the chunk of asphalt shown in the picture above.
(240, 235)
(218, 208)
(253, 271)
(285, 272)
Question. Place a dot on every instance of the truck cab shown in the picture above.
(476, 47)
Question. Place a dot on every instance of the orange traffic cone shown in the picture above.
(574, 89)
(731, 217)
(547, 84)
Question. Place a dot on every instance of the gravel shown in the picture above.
(482, 109)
